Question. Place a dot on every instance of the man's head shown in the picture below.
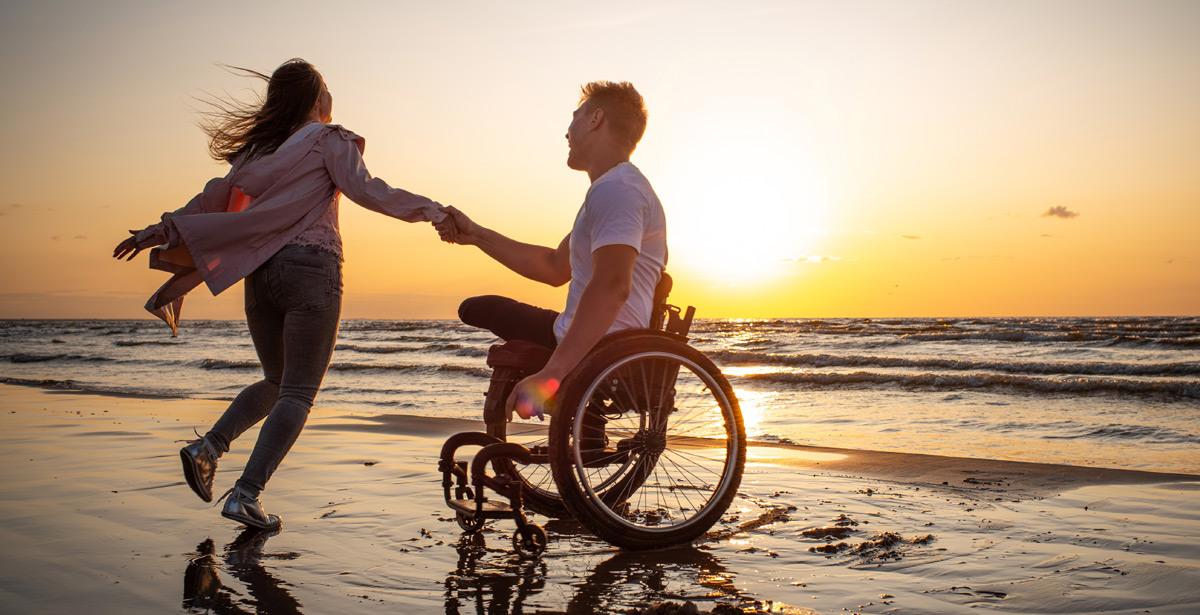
(610, 120)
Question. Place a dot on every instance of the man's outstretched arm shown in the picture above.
(539, 263)
(598, 307)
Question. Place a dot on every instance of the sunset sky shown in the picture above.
(814, 159)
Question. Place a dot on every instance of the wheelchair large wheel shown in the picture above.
(647, 442)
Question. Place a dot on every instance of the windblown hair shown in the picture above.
(258, 128)
(623, 107)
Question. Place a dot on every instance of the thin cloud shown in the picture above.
(1059, 211)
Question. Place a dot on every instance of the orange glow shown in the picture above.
(814, 161)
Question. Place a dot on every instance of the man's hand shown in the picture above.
(531, 396)
(445, 227)
(457, 228)
(538, 263)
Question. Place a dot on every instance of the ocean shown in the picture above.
(1112, 392)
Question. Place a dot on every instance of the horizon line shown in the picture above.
(748, 318)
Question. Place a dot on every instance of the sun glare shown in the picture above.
(742, 212)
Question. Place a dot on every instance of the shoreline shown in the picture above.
(1033, 477)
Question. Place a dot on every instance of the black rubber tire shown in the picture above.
(470, 525)
(577, 502)
(531, 545)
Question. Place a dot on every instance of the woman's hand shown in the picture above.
(457, 227)
(128, 247)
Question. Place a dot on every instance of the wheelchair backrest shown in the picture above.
(665, 317)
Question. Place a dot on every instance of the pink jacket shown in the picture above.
(218, 238)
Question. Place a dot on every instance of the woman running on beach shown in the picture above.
(272, 220)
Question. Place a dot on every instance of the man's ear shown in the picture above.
(596, 118)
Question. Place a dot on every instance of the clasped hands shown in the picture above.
(456, 227)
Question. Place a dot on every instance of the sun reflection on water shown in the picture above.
(753, 404)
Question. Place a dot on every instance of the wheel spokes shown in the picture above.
(661, 411)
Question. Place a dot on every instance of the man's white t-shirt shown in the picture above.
(620, 209)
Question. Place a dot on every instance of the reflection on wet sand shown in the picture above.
(492, 586)
(204, 592)
(483, 581)
(629, 579)
(496, 581)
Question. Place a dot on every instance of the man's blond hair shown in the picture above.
(623, 108)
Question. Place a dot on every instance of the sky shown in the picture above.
(815, 159)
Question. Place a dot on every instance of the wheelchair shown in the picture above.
(645, 445)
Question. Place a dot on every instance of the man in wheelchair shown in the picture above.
(613, 257)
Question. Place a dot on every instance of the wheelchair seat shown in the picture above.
(518, 354)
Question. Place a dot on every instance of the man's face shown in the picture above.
(577, 137)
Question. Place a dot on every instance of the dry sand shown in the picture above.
(96, 519)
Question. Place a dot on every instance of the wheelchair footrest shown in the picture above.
(489, 506)
(599, 458)
(539, 454)
(473, 510)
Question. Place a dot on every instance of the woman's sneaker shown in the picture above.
(200, 466)
(244, 508)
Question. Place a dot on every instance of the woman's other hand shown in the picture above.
(128, 247)
(133, 245)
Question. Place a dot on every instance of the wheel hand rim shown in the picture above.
(688, 501)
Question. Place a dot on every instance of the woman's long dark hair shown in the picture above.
(258, 128)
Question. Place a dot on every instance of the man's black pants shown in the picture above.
(510, 319)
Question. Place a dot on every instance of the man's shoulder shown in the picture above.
(627, 174)
(624, 185)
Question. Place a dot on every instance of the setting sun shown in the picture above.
(746, 213)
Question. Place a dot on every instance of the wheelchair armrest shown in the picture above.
(679, 325)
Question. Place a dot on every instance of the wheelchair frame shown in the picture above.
(465, 484)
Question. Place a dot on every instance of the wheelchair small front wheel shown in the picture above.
(530, 541)
(647, 443)
(469, 524)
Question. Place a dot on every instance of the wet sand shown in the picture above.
(96, 519)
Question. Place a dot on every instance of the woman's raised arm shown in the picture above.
(343, 159)
(213, 198)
